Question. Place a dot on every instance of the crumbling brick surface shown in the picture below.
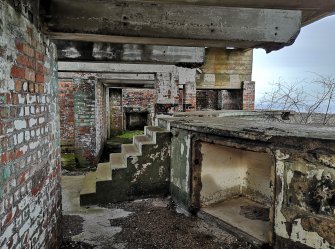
(130, 100)
(248, 95)
(30, 200)
(115, 101)
(66, 106)
(83, 123)
(100, 117)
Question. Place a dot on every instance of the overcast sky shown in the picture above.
(312, 52)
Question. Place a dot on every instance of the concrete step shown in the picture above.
(88, 190)
(104, 172)
(149, 130)
(129, 150)
(154, 131)
(116, 161)
(113, 182)
(141, 140)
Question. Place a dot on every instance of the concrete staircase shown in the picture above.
(141, 170)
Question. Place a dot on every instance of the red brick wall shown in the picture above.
(83, 122)
(30, 197)
(127, 99)
(100, 117)
(138, 98)
(116, 115)
(66, 106)
(249, 95)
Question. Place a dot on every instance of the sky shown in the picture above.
(312, 53)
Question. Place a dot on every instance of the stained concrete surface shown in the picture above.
(148, 223)
(232, 212)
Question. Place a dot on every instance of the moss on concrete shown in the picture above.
(69, 161)
(129, 134)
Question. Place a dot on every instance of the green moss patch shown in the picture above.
(130, 134)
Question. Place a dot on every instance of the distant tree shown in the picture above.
(305, 98)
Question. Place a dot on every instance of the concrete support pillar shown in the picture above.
(225, 69)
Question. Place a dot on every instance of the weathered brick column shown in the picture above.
(249, 95)
(30, 197)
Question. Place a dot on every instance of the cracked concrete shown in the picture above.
(96, 228)
(145, 223)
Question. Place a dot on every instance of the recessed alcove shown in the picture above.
(237, 188)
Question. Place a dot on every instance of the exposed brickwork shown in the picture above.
(230, 99)
(85, 123)
(127, 100)
(83, 119)
(139, 100)
(66, 106)
(116, 115)
(207, 100)
(176, 91)
(30, 200)
(248, 95)
(100, 117)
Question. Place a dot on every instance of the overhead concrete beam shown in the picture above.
(204, 25)
(267, 4)
(111, 76)
(132, 86)
(83, 37)
(133, 82)
(94, 67)
(98, 51)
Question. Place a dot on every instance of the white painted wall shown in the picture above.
(228, 172)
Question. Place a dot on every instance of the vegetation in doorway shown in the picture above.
(130, 134)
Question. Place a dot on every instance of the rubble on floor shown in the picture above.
(147, 223)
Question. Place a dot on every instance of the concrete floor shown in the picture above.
(97, 230)
(230, 212)
(146, 224)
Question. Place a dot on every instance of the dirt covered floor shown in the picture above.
(149, 223)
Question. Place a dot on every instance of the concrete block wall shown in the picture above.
(30, 197)
(225, 69)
